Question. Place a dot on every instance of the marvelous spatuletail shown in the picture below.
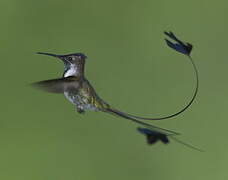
(78, 90)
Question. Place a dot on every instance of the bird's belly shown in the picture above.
(79, 101)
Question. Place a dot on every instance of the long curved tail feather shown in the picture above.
(184, 48)
(120, 114)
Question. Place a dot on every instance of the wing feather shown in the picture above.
(58, 85)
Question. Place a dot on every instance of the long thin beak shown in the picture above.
(53, 55)
(48, 54)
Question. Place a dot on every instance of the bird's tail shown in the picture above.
(184, 48)
(153, 136)
(126, 116)
(186, 144)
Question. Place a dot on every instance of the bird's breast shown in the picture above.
(81, 100)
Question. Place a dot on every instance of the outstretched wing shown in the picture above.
(58, 85)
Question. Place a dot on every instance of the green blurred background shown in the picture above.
(41, 135)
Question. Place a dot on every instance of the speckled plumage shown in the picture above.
(85, 98)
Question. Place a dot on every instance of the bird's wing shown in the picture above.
(58, 85)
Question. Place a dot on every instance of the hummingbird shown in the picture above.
(79, 91)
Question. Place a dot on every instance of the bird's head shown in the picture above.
(74, 58)
(73, 63)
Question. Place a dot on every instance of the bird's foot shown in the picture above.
(80, 110)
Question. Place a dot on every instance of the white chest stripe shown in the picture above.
(71, 71)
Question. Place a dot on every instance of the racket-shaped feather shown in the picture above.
(184, 48)
(154, 136)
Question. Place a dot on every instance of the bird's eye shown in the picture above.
(70, 58)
